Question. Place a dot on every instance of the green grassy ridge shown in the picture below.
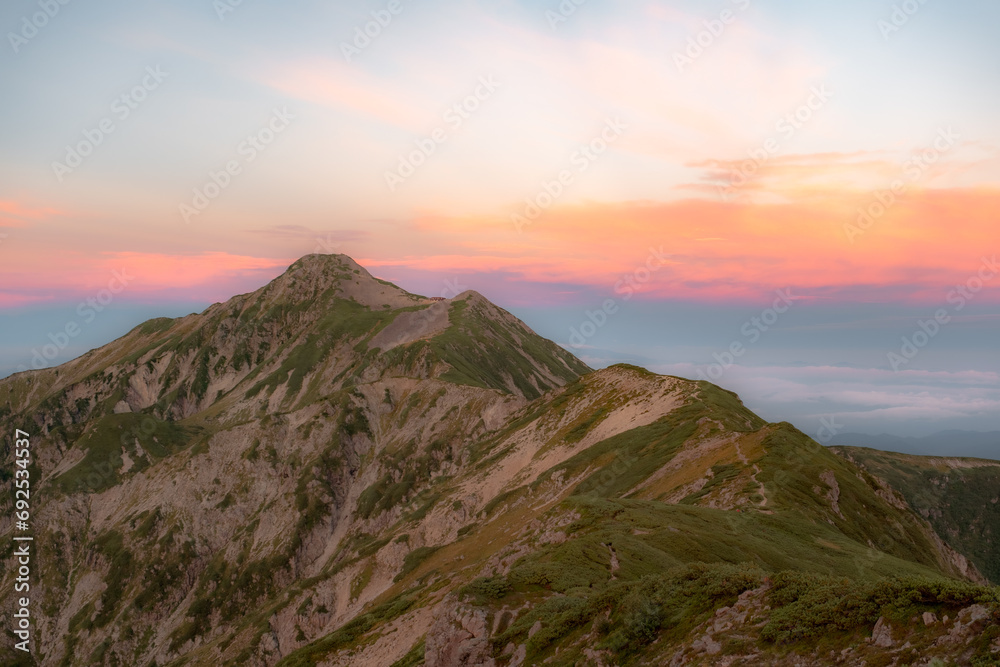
(649, 536)
(154, 326)
(791, 470)
(792, 466)
(959, 503)
(726, 407)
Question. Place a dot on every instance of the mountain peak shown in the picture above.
(323, 326)
(320, 263)
(313, 276)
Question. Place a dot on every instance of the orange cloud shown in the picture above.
(923, 243)
(204, 276)
(16, 214)
(943, 163)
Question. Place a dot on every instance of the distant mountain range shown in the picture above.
(984, 445)
(333, 471)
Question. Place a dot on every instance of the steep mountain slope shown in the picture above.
(960, 497)
(334, 471)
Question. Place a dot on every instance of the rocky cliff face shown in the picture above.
(334, 471)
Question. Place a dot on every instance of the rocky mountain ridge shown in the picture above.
(334, 471)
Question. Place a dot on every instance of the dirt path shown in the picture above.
(756, 471)
(760, 486)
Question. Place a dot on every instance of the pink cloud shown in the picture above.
(17, 214)
(145, 276)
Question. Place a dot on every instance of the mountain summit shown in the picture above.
(323, 324)
(333, 471)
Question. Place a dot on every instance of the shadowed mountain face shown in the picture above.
(334, 471)
(960, 497)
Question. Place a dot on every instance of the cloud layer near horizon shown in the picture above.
(825, 400)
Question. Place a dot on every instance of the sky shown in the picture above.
(795, 200)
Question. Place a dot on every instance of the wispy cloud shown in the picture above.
(865, 399)
(755, 248)
(17, 214)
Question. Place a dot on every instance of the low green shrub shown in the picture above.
(811, 605)
(487, 588)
